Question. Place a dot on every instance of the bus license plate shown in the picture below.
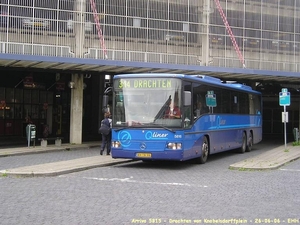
(143, 155)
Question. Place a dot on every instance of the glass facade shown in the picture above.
(17, 104)
(185, 32)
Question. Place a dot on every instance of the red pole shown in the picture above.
(99, 31)
(228, 28)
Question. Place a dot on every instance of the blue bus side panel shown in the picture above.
(224, 133)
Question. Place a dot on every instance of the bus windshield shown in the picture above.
(152, 102)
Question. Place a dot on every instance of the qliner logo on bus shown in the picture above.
(155, 135)
(125, 137)
(145, 83)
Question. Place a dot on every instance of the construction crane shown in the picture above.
(229, 31)
(99, 31)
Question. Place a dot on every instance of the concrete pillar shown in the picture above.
(205, 32)
(79, 27)
(76, 109)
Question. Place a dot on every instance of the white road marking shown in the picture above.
(290, 170)
(130, 180)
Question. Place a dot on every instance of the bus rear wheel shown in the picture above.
(250, 143)
(204, 152)
(242, 149)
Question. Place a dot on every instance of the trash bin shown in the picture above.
(30, 133)
(296, 134)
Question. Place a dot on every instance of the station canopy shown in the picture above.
(94, 66)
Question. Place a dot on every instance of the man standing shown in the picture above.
(106, 138)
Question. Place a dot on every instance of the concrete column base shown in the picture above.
(58, 142)
(44, 143)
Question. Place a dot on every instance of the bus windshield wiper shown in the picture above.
(133, 124)
(161, 126)
(166, 128)
(121, 128)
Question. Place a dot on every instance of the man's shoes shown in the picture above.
(101, 152)
(107, 154)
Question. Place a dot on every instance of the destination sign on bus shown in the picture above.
(145, 83)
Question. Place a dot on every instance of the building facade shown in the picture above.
(253, 34)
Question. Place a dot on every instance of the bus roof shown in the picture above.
(201, 78)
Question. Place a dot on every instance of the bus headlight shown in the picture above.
(174, 146)
(115, 144)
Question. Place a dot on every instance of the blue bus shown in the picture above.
(181, 117)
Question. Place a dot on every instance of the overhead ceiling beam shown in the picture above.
(90, 67)
(65, 66)
(123, 69)
(141, 70)
(52, 65)
(33, 64)
(105, 68)
(160, 70)
(10, 63)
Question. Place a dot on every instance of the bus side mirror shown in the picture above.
(187, 98)
(105, 103)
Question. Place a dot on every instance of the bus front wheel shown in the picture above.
(204, 152)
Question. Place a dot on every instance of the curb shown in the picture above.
(270, 160)
(77, 168)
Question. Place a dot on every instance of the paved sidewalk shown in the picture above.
(10, 151)
(62, 167)
(272, 159)
(57, 168)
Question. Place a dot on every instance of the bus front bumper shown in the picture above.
(176, 155)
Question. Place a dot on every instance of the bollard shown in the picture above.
(296, 134)
(30, 133)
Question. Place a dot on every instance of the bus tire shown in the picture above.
(242, 149)
(250, 143)
(204, 152)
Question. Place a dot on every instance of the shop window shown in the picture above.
(9, 111)
(43, 110)
(18, 95)
(1, 126)
(27, 111)
(43, 97)
(35, 96)
(27, 96)
(50, 98)
(2, 94)
(9, 95)
(2, 110)
(35, 111)
(18, 111)
(9, 127)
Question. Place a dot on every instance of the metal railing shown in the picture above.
(35, 49)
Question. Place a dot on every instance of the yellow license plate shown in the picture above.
(144, 155)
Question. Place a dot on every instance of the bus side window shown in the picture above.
(187, 116)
